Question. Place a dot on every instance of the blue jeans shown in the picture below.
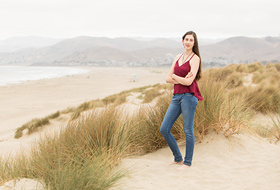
(186, 104)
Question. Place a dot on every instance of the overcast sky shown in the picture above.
(147, 18)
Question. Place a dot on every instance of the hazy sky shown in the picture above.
(147, 18)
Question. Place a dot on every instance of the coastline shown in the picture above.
(17, 74)
(34, 99)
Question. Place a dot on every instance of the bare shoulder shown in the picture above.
(195, 60)
(177, 56)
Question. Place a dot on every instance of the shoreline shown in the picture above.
(35, 99)
(18, 74)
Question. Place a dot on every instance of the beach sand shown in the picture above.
(242, 162)
(35, 99)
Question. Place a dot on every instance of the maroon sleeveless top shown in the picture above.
(182, 71)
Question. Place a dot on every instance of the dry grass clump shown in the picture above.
(102, 130)
(232, 75)
(145, 136)
(219, 111)
(54, 115)
(257, 66)
(35, 124)
(275, 65)
(120, 98)
(258, 77)
(79, 172)
(11, 168)
(84, 107)
(208, 111)
(275, 127)
(270, 75)
(274, 79)
(149, 94)
(220, 74)
(270, 130)
(266, 96)
(236, 79)
(75, 112)
(145, 126)
(116, 99)
(262, 98)
(82, 156)
(242, 68)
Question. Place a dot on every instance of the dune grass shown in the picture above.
(75, 112)
(257, 66)
(275, 127)
(84, 107)
(84, 155)
(219, 111)
(155, 91)
(75, 171)
(228, 82)
(264, 98)
(145, 135)
(263, 95)
(81, 156)
(271, 129)
(241, 68)
(34, 124)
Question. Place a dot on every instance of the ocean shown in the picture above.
(21, 74)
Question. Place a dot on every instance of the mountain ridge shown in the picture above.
(85, 50)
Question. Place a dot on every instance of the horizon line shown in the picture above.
(133, 37)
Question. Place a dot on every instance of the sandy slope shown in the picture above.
(240, 162)
(22, 102)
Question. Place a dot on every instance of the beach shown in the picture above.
(241, 161)
(23, 102)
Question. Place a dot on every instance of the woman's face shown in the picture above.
(188, 42)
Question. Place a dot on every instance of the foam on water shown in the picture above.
(20, 74)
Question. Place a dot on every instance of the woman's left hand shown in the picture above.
(189, 75)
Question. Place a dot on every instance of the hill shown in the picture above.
(101, 51)
(243, 49)
(17, 43)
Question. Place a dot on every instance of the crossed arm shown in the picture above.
(188, 79)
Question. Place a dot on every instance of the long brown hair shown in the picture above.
(196, 51)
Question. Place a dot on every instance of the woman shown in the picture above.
(184, 72)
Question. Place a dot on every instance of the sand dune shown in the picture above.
(239, 162)
(242, 162)
(22, 102)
